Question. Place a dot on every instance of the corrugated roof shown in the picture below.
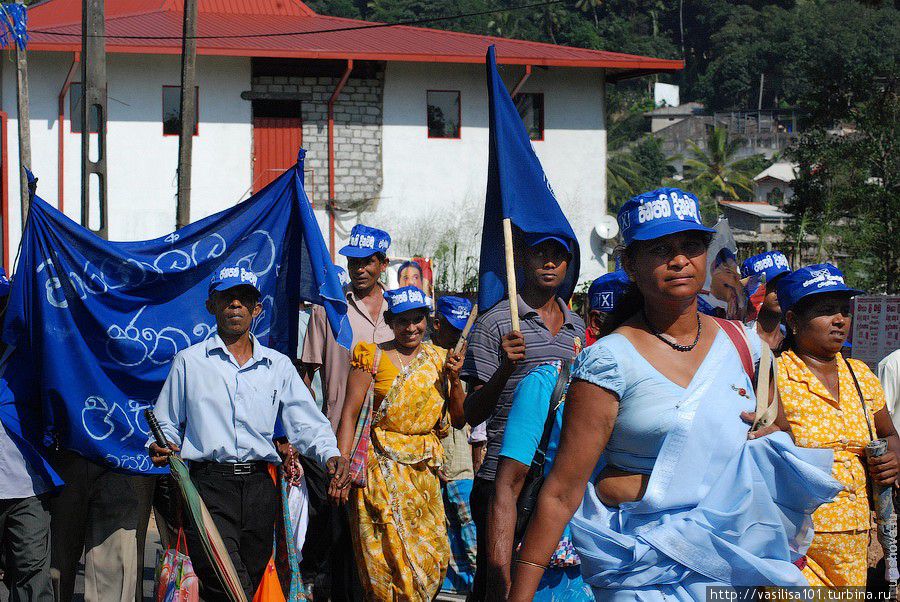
(783, 170)
(757, 209)
(55, 25)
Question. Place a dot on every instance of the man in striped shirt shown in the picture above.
(498, 358)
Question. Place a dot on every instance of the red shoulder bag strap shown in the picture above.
(738, 337)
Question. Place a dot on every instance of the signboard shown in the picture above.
(876, 327)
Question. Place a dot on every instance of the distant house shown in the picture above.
(408, 107)
(773, 185)
(663, 117)
(764, 133)
(756, 226)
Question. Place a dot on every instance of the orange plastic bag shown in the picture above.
(269, 589)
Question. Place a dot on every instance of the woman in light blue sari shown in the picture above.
(686, 499)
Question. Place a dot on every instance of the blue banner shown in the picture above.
(15, 25)
(95, 324)
(516, 189)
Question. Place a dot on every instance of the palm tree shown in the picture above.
(590, 5)
(622, 174)
(715, 172)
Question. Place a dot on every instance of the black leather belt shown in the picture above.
(230, 468)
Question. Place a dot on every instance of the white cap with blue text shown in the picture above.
(232, 275)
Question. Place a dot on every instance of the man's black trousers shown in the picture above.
(243, 508)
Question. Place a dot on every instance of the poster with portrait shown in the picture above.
(723, 293)
(411, 271)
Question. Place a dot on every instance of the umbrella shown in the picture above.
(213, 546)
(885, 519)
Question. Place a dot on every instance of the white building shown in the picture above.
(774, 184)
(410, 118)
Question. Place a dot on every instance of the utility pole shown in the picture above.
(93, 112)
(24, 122)
(188, 113)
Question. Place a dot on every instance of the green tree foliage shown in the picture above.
(848, 194)
(819, 55)
(633, 169)
(716, 172)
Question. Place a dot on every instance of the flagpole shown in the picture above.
(512, 291)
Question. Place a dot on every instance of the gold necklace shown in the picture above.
(400, 358)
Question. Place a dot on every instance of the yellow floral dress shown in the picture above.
(837, 556)
(398, 523)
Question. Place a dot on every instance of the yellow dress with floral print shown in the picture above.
(837, 556)
(397, 519)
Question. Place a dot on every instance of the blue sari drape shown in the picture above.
(719, 509)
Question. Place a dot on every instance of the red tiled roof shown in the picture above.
(220, 20)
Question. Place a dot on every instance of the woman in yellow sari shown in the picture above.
(397, 520)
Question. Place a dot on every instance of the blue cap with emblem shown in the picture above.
(365, 241)
(534, 239)
(404, 299)
(455, 310)
(772, 264)
(606, 291)
(232, 275)
(811, 280)
(4, 283)
(659, 213)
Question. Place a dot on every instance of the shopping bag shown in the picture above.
(175, 577)
(269, 589)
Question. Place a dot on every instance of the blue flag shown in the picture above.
(516, 189)
(96, 324)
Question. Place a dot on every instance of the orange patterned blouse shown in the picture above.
(819, 420)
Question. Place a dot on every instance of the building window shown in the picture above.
(75, 116)
(443, 114)
(531, 110)
(775, 197)
(171, 110)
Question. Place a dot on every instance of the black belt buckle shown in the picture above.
(243, 468)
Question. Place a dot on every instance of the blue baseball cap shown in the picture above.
(772, 264)
(606, 291)
(407, 298)
(232, 275)
(456, 310)
(365, 241)
(659, 213)
(4, 283)
(811, 280)
(533, 239)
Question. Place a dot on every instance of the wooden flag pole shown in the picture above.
(466, 329)
(511, 274)
(24, 122)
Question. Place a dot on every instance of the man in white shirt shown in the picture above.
(889, 375)
(219, 406)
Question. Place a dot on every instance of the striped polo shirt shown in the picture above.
(484, 356)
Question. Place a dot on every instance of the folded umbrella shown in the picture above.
(213, 546)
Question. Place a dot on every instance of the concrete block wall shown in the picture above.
(358, 114)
